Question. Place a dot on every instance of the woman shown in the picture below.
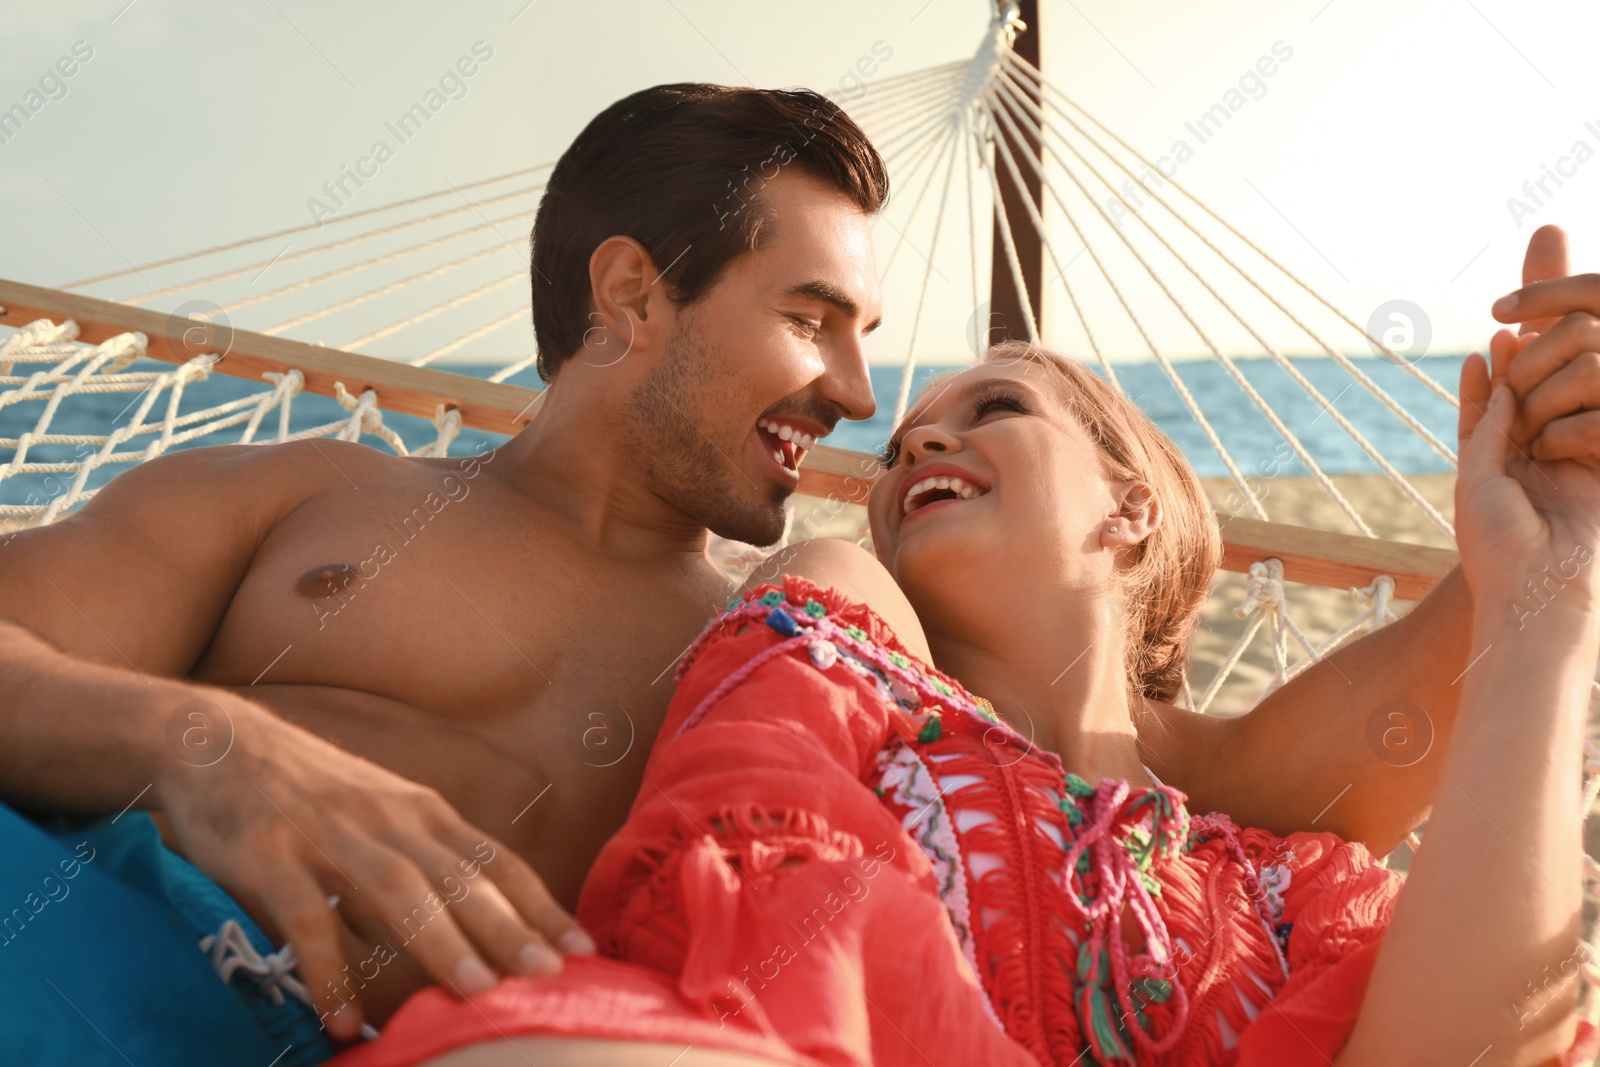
(842, 856)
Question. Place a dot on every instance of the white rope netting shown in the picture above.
(41, 364)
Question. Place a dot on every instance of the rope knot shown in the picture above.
(1263, 589)
(123, 349)
(364, 413)
(447, 421)
(1377, 596)
(289, 382)
(40, 333)
(197, 369)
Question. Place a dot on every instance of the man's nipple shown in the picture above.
(326, 581)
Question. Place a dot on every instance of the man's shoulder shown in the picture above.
(1186, 726)
(295, 466)
(1185, 748)
(253, 486)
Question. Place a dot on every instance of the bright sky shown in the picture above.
(1377, 162)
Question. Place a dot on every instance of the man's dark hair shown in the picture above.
(679, 168)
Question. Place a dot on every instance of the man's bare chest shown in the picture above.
(465, 606)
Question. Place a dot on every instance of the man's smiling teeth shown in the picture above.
(953, 488)
(788, 433)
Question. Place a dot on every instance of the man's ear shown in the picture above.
(629, 303)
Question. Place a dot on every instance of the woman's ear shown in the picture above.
(1137, 515)
(627, 302)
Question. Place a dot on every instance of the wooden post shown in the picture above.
(1007, 321)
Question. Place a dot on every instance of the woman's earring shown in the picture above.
(1113, 529)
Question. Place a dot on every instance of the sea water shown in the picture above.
(1256, 445)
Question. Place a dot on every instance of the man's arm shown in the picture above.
(1352, 745)
(104, 612)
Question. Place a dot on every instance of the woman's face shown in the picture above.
(991, 484)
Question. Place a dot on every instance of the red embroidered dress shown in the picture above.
(839, 858)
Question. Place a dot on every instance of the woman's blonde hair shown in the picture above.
(1173, 568)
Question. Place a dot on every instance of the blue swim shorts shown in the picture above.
(100, 958)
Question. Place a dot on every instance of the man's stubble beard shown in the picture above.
(680, 460)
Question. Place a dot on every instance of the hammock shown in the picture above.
(1163, 277)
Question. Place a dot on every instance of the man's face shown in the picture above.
(763, 364)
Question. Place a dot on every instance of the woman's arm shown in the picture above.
(1491, 909)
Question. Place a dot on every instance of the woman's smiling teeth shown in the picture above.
(939, 487)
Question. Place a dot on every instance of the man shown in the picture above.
(486, 682)
(413, 709)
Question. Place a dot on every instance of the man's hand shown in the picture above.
(288, 820)
(1556, 369)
